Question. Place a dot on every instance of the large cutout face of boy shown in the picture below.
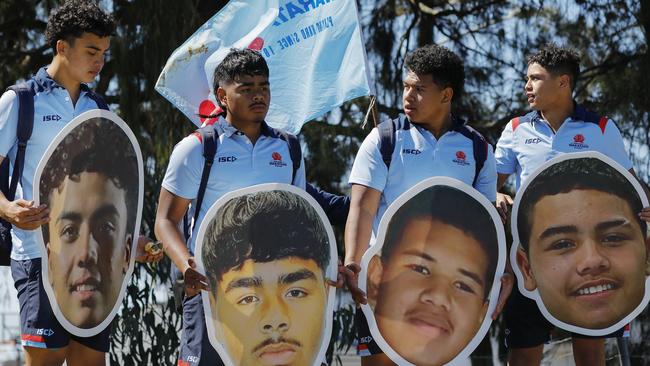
(429, 285)
(93, 203)
(88, 248)
(266, 255)
(583, 248)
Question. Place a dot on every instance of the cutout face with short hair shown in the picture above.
(580, 248)
(588, 257)
(429, 295)
(271, 313)
(89, 247)
(266, 251)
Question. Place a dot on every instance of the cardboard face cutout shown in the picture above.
(268, 251)
(91, 179)
(579, 248)
(433, 276)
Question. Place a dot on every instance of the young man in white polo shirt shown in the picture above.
(429, 141)
(556, 125)
(249, 152)
(79, 34)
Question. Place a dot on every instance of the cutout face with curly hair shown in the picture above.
(90, 184)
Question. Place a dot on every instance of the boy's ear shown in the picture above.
(565, 81)
(447, 95)
(524, 265)
(375, 271)
(62, 47)
(221, 96)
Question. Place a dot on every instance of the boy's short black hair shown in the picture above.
(558, 61)
(96, 146)
(239, 62)
(449, 206)
(445, 67)
(75, 17)
(264, 227)
(569, 175)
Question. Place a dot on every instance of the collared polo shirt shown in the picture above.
(532, 141)
(237, 164)
(418, 155)
(53, 109)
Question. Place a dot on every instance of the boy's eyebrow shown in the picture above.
(555, 230)
(612, 224)
(245, 282)
(303, 274)
(420, 254)
(475, 277)
(69, 215)
(108, 209)
(472, 275)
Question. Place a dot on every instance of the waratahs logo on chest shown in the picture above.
(276, 160)
(579, 142)
(461, 158)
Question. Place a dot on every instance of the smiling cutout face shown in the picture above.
(89, 247)
(429, 295)
(271, 313)
(587, 257)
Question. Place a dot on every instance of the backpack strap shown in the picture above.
(479, 148)
(25, 95)
(101, 103)
(209, 138)
(295, 152)
(387, 141)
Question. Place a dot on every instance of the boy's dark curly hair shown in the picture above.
(444, 66)
(96, 146)
(75, 17)
(558, 61)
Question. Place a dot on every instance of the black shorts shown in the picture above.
(366, 345)
(39, 327)
(527, 327)
(195, 348)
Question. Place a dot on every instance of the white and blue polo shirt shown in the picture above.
(53, 109)
(529, 141)
(237, 164)
(418, 155)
